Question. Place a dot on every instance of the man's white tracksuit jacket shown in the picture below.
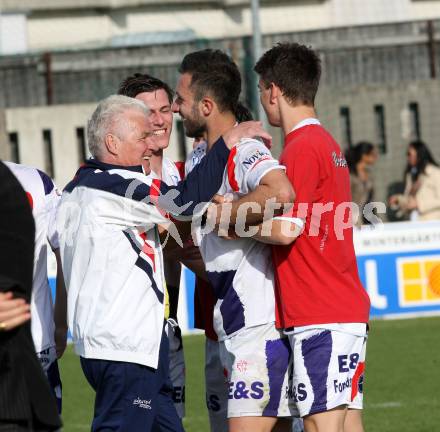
(112, 257)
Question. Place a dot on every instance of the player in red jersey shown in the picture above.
(321, 303)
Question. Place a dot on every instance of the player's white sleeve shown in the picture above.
(251, 163)
(51, 204)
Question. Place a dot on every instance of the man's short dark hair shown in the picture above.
(242, 113)
(213, 73)
(294, 68)
(140, 83)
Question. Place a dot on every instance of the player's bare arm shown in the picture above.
(267, 200)
(281, 231)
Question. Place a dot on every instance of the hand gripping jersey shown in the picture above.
(240, 271)
(43, 198)
(112, 258)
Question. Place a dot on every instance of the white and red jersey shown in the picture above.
(239, 271)
(43, 198)
(171, 176)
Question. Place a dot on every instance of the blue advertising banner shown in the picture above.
(399, 265)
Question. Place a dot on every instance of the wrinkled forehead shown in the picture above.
(132, 120)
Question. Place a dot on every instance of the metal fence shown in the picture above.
(376, 54)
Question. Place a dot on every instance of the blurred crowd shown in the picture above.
(419, 197)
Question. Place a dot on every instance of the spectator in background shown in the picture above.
(360, 159)
(421, 197)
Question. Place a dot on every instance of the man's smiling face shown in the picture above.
(130, 138)
(160, 118)
(188, 108)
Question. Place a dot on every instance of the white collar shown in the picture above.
(306, 122)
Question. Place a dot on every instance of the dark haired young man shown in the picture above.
(204, 302)
(255, 356)
(158, 97)
(321, 305)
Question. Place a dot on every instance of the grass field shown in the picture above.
(401, 387)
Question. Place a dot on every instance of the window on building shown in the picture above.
(81, 144)
(414, 118)
(48, 152)
(344, 115)
(182, 153)
(381, 137)
(14, 147)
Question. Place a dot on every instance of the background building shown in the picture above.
(381, 63)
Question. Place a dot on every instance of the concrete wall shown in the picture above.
(4, 148)
(76, 23)
(350, 56)
(62, 121)
(395, 99)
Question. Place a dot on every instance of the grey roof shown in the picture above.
(156, 38)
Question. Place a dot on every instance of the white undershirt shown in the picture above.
(306, 122)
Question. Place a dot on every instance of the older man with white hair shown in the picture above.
(110, 244)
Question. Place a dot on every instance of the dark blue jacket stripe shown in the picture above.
(47, 182)
(200, 185)
(145, 266)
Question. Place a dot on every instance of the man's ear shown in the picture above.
(206, 106)
(275, 92)
(112, 144)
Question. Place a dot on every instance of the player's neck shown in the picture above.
(156, 162)
(219, 125)
(293, 115)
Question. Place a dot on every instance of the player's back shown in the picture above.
(334, 293)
